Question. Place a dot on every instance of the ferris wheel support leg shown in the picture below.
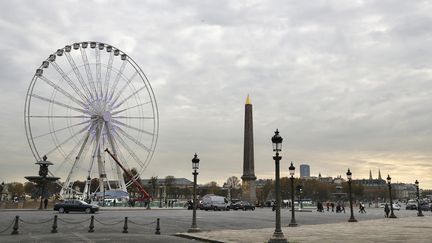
(77, 158)
(101, 166)
(121, 181)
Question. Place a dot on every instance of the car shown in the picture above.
(75, 206)
(411, 207)
(425, 207)
(396, 206)
(243, 205)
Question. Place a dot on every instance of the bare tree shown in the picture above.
(233, 182)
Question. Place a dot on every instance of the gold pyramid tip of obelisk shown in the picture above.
(248, 102)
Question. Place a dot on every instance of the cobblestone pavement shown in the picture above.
(410, 229)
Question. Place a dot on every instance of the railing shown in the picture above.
(15, 224)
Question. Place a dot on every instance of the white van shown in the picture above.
(214, 202)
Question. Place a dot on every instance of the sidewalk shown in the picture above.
(412, 229)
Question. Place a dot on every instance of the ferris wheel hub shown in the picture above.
(107, 116)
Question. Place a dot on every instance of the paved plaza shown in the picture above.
(220, 226)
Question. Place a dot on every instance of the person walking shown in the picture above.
(46, 203)
(386, 210)
(362, 208)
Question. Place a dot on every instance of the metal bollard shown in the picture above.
(125, 226)
(15, 227)
(54, 226)
(157, 227)
(91, 226)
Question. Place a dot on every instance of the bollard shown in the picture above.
(15, 227)
(54, 226)
(157, 227)
(91, 226)
(125, 226)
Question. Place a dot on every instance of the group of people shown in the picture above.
(339, 206)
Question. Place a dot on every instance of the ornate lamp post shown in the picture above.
(88, 189)
(391, 199)
(293, 222)
(160, 196)
(420, 214)
(195, 165)
(349, 176)
(278, 235)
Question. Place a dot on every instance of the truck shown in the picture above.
(214, 202)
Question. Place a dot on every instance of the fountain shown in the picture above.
(43, 179)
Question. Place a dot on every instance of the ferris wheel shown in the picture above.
(84, 98)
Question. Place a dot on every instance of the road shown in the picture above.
(111, 222)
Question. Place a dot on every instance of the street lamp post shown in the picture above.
(278, 235)
(195, 165)
(160, 196)
(420, 214)
(391, 199)
(349, 176)
(88, 189)
(293, 222)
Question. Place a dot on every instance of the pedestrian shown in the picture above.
(343, 207)
(386, 210)
(332, 206)
(362, 208)
(328, 206)
(114, 202)
(46, 203)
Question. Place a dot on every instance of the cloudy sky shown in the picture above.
(348, 83)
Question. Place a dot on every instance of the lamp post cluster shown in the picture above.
(391, 199)
(420, 214)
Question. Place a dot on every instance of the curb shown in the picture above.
(193, 237)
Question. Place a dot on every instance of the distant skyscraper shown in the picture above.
(248, 178)
(304, 171)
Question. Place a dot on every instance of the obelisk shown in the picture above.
(248, 178)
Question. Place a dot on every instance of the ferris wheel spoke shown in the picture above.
(127, 98)
(64, 92)
(78, 74)
(61, 129)
(58, 103)
(69, 81)
(108, 74)
(129, 150)
(98, 73)
(124, 87)
(132, 139)
(134, 117)
(88, 70)
(68, 139)
(117, 79)
(129, 108)
(132, 127)
(32, 116)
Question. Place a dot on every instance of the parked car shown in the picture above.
(76, 206)
(214, 202)
(425, 207)
(411, 207)
(242, 205)
(396, 206)
(411, 204)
